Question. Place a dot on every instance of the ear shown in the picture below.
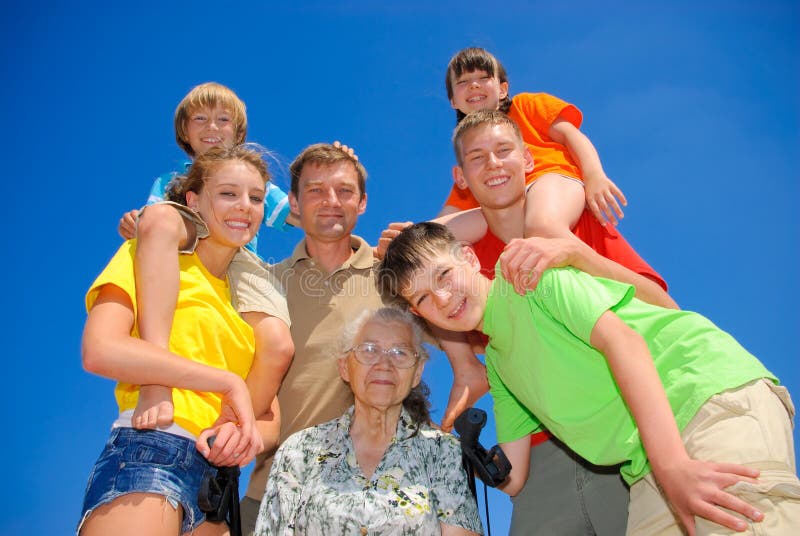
(503, 90)
(293, 205)
(413, 311)
(192, 200)
(362, 205)
(458, 177)
(453, 104)
(470, 256)
(341, 362)
(418, 374)
(526, 154)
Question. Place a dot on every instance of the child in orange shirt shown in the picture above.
(567, 174)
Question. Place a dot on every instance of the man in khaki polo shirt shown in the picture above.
(328, 280)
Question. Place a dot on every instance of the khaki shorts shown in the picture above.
(253, 287)
(750, 425)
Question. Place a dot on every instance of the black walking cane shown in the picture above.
(492, 466)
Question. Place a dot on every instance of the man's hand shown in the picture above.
(127, 224)
(525, 259)
(388, 234)
(697, 488)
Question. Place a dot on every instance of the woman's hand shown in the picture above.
(240, 440)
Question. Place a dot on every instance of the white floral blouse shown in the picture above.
(315, 486)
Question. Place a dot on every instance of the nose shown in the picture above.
(475, 82)
(441, 297)
(493, 160)
(331, 199)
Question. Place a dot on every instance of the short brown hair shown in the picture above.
(208, 162)
(472, 59)
(478, 119)
(209, 95)
(325, 154)
(408, 252)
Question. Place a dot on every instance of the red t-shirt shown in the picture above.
(605, 240)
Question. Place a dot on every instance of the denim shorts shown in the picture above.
(148, 461)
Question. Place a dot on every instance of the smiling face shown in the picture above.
(231, 203)
(328, 200)
(381, 385)
(494, 163)
(448, 290)
(209, 127)
(477, 90)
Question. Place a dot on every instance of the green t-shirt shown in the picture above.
(543, 371)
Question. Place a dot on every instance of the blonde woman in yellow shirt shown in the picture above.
(147, 481)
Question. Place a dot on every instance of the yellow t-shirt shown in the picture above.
(205, 329)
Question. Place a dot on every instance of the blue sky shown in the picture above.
(692, 106)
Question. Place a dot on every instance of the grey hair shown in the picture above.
(416, 402)
(384, 315)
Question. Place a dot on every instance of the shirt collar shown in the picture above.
(361, 259)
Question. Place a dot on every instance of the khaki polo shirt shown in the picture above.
(320, 306)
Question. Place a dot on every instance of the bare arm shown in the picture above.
(601, 192)
(452, 530)
(109, 350)
(524, 260)
(519, 454)
(693, 488)
(466, 225)
(274, 353)
(469, 374)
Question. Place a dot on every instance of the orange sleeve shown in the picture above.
(542, 109)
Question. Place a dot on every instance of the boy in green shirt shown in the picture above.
(700, 426)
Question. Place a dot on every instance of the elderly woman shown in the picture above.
(380, 468)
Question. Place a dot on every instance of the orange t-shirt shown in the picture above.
(534, 113)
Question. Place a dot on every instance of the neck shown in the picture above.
(329, 255)
(215, 257)
(508, 222)
(374, 425)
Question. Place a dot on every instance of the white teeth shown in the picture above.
(495, 182)
(238, 225)
(475, 99)
(458, 309)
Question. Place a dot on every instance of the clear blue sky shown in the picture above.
(692, 105)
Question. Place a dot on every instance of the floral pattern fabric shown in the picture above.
(316, 487)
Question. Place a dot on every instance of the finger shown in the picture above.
(612, 202)
(735, 504)
(713, 513)
(599, 216)
(202, 442)
(618, 193)
(737, 469)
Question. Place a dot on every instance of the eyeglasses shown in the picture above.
(369, 353)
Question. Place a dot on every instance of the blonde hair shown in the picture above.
(210, 95)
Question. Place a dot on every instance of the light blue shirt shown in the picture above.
(276, 202)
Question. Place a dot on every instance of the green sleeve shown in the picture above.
(512, 419)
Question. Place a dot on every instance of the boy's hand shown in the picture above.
(697, 488)
(602, 197)
(525, 259)
(127, 224)
(154, 408)
(388, 234)
(469, 384)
